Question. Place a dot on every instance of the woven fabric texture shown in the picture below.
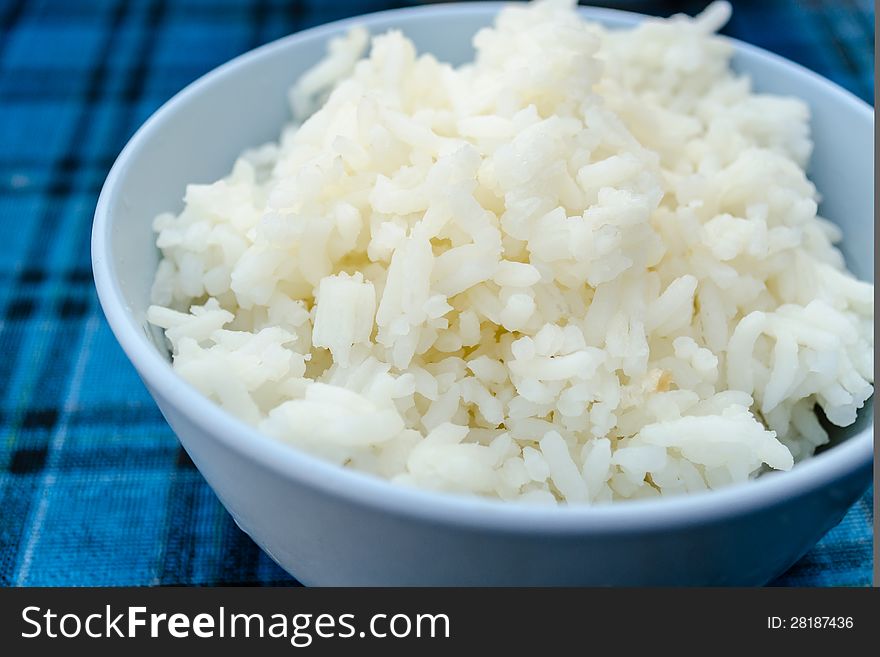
(94, 488)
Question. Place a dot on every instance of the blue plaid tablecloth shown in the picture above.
(94, 489)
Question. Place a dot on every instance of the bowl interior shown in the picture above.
(196, 137)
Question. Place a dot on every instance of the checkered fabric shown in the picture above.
(94, 489)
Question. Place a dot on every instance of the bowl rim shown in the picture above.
(362, 489)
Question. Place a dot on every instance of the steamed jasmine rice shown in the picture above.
(586, 267)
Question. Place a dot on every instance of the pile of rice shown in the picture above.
(586, 267)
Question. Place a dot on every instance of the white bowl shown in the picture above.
(331, 526)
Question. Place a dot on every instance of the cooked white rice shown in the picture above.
(586, 267)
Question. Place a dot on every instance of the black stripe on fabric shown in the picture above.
(806, 568)
(59, 184)
(137, 74)
(183, 461)
(69, 163)
(128, 416)
(180, 538)
(258, 15)
(182, 504)
(293, 15)
(850, 556)
(39, 418)
(10, 19)
(73, 278)
(842, 48)
(19, 310)
(865, 503)
(60, 85)
(17, 496)
(12, 334)
(866, 25)
(238, 564)
(125, 458)
(28, 460)
(54, 363)
(79, 275)
(98, 454)
(70, 307)
(132, 90)
(31, 275)
(66, 11)
(59, 191)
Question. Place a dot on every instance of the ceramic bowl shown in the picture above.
(331, 526)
